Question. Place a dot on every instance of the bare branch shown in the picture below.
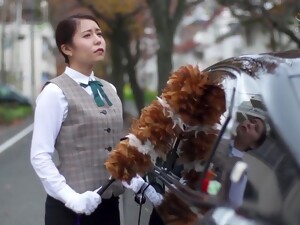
(136, 11)
(97, 13)
(281, 28)
(286, 31)
(168, 7)
(261, 13)
(138, 51)
(193, 3)
(181, 8)
(178, 14)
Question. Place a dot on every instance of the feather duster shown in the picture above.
(191, 95)
(151, 136)
(155, 127)
(174, 211)
(196, 147)
(190, 106)
(126, 161)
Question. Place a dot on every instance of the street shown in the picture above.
(22, 195)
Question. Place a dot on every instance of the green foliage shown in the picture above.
(128, 95)
(10, 113)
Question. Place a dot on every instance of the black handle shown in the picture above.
(105, 186)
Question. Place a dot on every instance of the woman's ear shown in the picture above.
(247, 149)
(66, 50)
(250, 148)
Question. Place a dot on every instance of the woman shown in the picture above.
(82, 120)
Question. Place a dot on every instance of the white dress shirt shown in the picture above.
(236, 153)
(237, 189)
(51, 110)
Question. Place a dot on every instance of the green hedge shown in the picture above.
(128, 95)
(11, 113)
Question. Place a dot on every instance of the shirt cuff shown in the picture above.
(66, 194)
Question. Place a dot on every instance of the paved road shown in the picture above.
(22, 195)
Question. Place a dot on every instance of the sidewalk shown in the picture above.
(129, 209)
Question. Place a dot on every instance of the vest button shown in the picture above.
(108, 148)
(104, 112)
(108, 130)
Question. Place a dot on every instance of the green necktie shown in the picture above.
(97, 86)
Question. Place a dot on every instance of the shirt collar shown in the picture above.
(79, 77)
(235, 152)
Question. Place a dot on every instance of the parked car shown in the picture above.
(8, 94)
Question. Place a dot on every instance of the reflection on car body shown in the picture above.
(270, 82)
(272, 193)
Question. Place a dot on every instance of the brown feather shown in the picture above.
(173, 211)
(125, 161)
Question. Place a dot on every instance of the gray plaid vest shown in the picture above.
(86, 136)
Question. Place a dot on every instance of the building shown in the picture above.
(27, 46)
(28, 66)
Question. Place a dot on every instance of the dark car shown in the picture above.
(261, 187)
(10, 95)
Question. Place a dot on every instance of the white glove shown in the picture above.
(84, 203)
(183, 181)
(154, 197)
(135, 184)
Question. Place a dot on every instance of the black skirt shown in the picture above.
(56, 213)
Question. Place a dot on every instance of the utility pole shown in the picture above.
(44, 9)
(32, 50)
(3, 21)
(15, 62)
(18, 26)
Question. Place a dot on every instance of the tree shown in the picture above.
(279, 16)
(121, 28)
(166, 16)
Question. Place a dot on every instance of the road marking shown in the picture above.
(10, 142)
(121, 209)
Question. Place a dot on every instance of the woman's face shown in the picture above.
(88, 45)
(250, 131)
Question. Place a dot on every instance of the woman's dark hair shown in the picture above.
(263, 136)
(66, 29)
